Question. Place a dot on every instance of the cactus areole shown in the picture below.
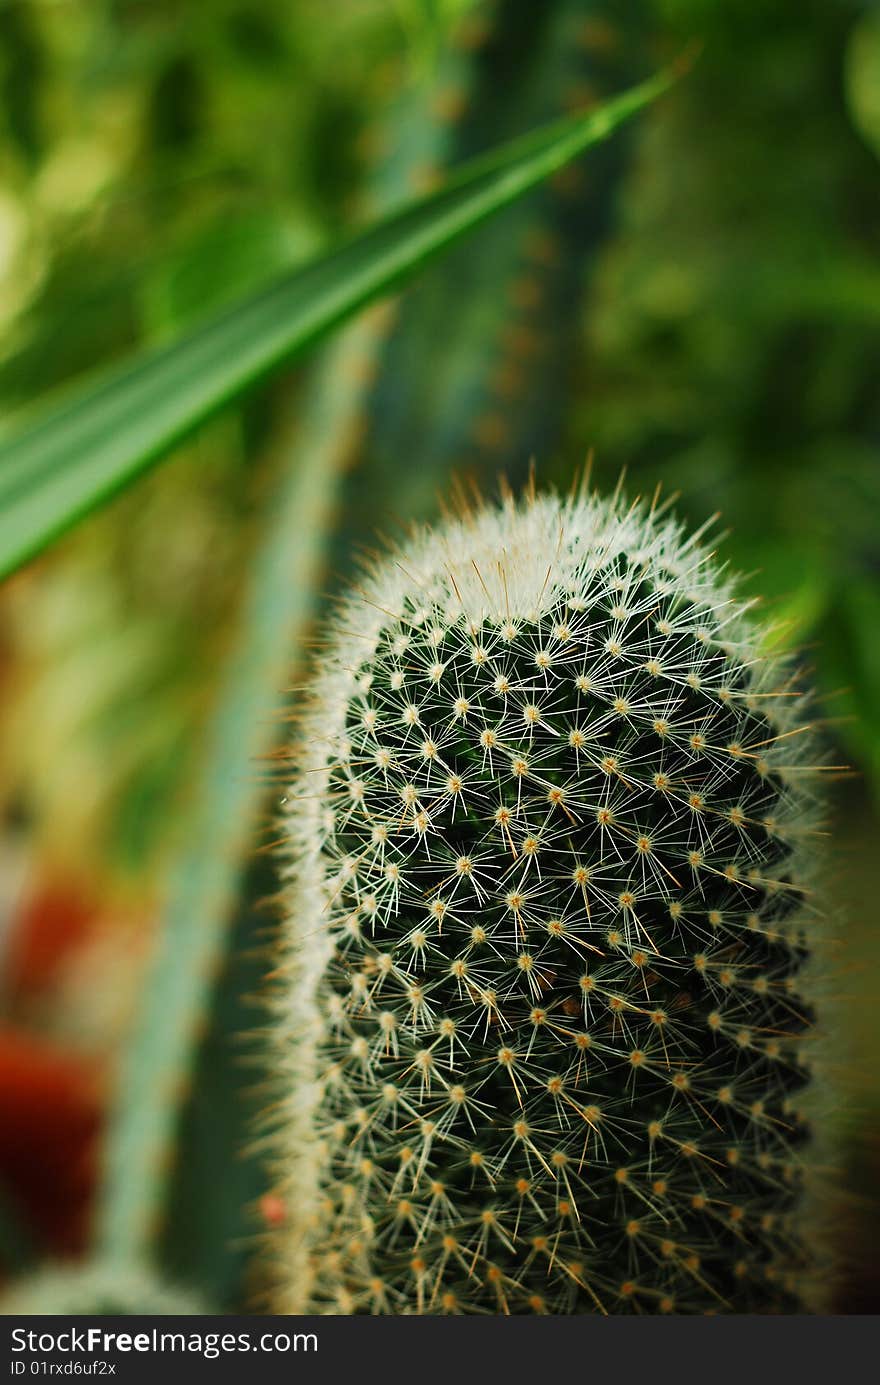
(542, 1023)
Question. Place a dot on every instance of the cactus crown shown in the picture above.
(543, 1024)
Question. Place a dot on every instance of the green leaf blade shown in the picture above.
(55, 472)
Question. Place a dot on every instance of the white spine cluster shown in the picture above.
(541, 1027)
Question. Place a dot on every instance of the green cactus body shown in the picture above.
(477, 366)
(485, 340)
(543, 1027)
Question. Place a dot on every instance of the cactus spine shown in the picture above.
(542, 1023)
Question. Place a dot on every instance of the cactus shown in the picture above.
(479, 360)
(542, 1022)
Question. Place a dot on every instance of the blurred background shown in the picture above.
(697, 301)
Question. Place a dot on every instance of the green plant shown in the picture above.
(73, 457)
(544, 1025)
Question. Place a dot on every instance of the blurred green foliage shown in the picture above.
(703, 310)
(735, 353)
